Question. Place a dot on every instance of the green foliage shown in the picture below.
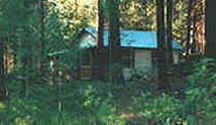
(164, 109)
(71, 103)
(58, 101)
(201, 93)
(79, 103)
(195, 108)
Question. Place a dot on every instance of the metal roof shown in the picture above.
(129, 38)
(135, 39)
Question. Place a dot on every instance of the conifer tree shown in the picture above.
(163, 82)
(210, 28)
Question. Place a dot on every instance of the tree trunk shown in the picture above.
(210, 28)
(114, 37)
(98, 62)
(2, 72)
(163, 82)
(169, 31)
(42, 32)
(189, 28)
(100, 24)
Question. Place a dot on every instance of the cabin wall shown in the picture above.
(175, 57)
(143, 60)
(142, 63)
(139, 59)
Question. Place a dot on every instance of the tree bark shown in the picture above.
(210, 28)
(163, 82)
(100, 24)
(42, 39)
(99, 68)
(169, 31)
(189, 28)
(2, 71)
(114, 37)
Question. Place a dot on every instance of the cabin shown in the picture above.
(137, 49)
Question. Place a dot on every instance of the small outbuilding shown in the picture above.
(137, 49)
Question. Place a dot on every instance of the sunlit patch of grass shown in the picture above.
(127, 115)
(23, 121)
(2, 105)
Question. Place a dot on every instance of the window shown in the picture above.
(85, 58)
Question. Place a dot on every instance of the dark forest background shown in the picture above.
(33, 93)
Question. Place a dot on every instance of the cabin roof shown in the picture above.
(129, 39)
(134, 39)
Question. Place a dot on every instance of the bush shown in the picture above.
(196, 108)
(74, 103)
(78, 102)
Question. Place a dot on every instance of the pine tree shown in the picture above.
(99, 62)
(189, 24)
(163, 82)
(100, 23)
(114, 37)
(42, 33)
(2, 74)
(169, 31)
(210, 28)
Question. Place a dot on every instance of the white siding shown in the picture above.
(143, 64)
(175, 58)
(143, 60)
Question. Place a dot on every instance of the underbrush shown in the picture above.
(100, 103)
(195, 107)
(73, 103)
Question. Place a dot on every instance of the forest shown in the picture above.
(107, 62)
